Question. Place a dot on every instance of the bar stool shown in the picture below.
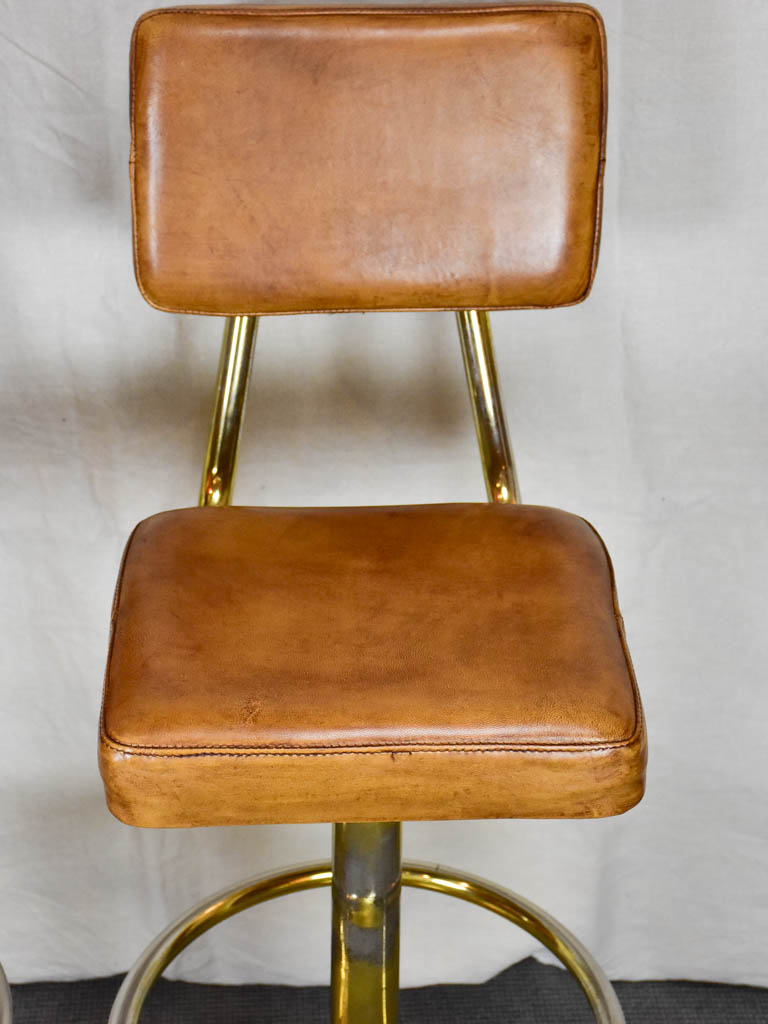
(367, 666)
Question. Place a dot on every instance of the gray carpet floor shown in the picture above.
(526, 993)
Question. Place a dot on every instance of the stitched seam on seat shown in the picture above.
(202, 751)
(377, 11)
(384, 747)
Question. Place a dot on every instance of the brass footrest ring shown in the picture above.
(177, 936)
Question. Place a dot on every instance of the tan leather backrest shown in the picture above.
(292, 159)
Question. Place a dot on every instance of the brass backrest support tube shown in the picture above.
(487, 410)
(229, 410)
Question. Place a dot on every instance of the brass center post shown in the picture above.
(365, 952)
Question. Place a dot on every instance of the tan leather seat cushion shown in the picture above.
(446, 661)
(298, 160)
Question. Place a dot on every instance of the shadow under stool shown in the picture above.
(367, 666)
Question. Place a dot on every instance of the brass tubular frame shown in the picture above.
(365, 950)
(487, 410)
(164, 949)
(367, 874)
(167, 946)
(6, 1004)
(229, 410)
(532, 919)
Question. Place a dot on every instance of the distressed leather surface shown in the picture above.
(424, 662)
(320, 159)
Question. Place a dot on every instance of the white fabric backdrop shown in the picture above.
(642, 410)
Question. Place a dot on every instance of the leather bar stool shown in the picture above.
(367, 666)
